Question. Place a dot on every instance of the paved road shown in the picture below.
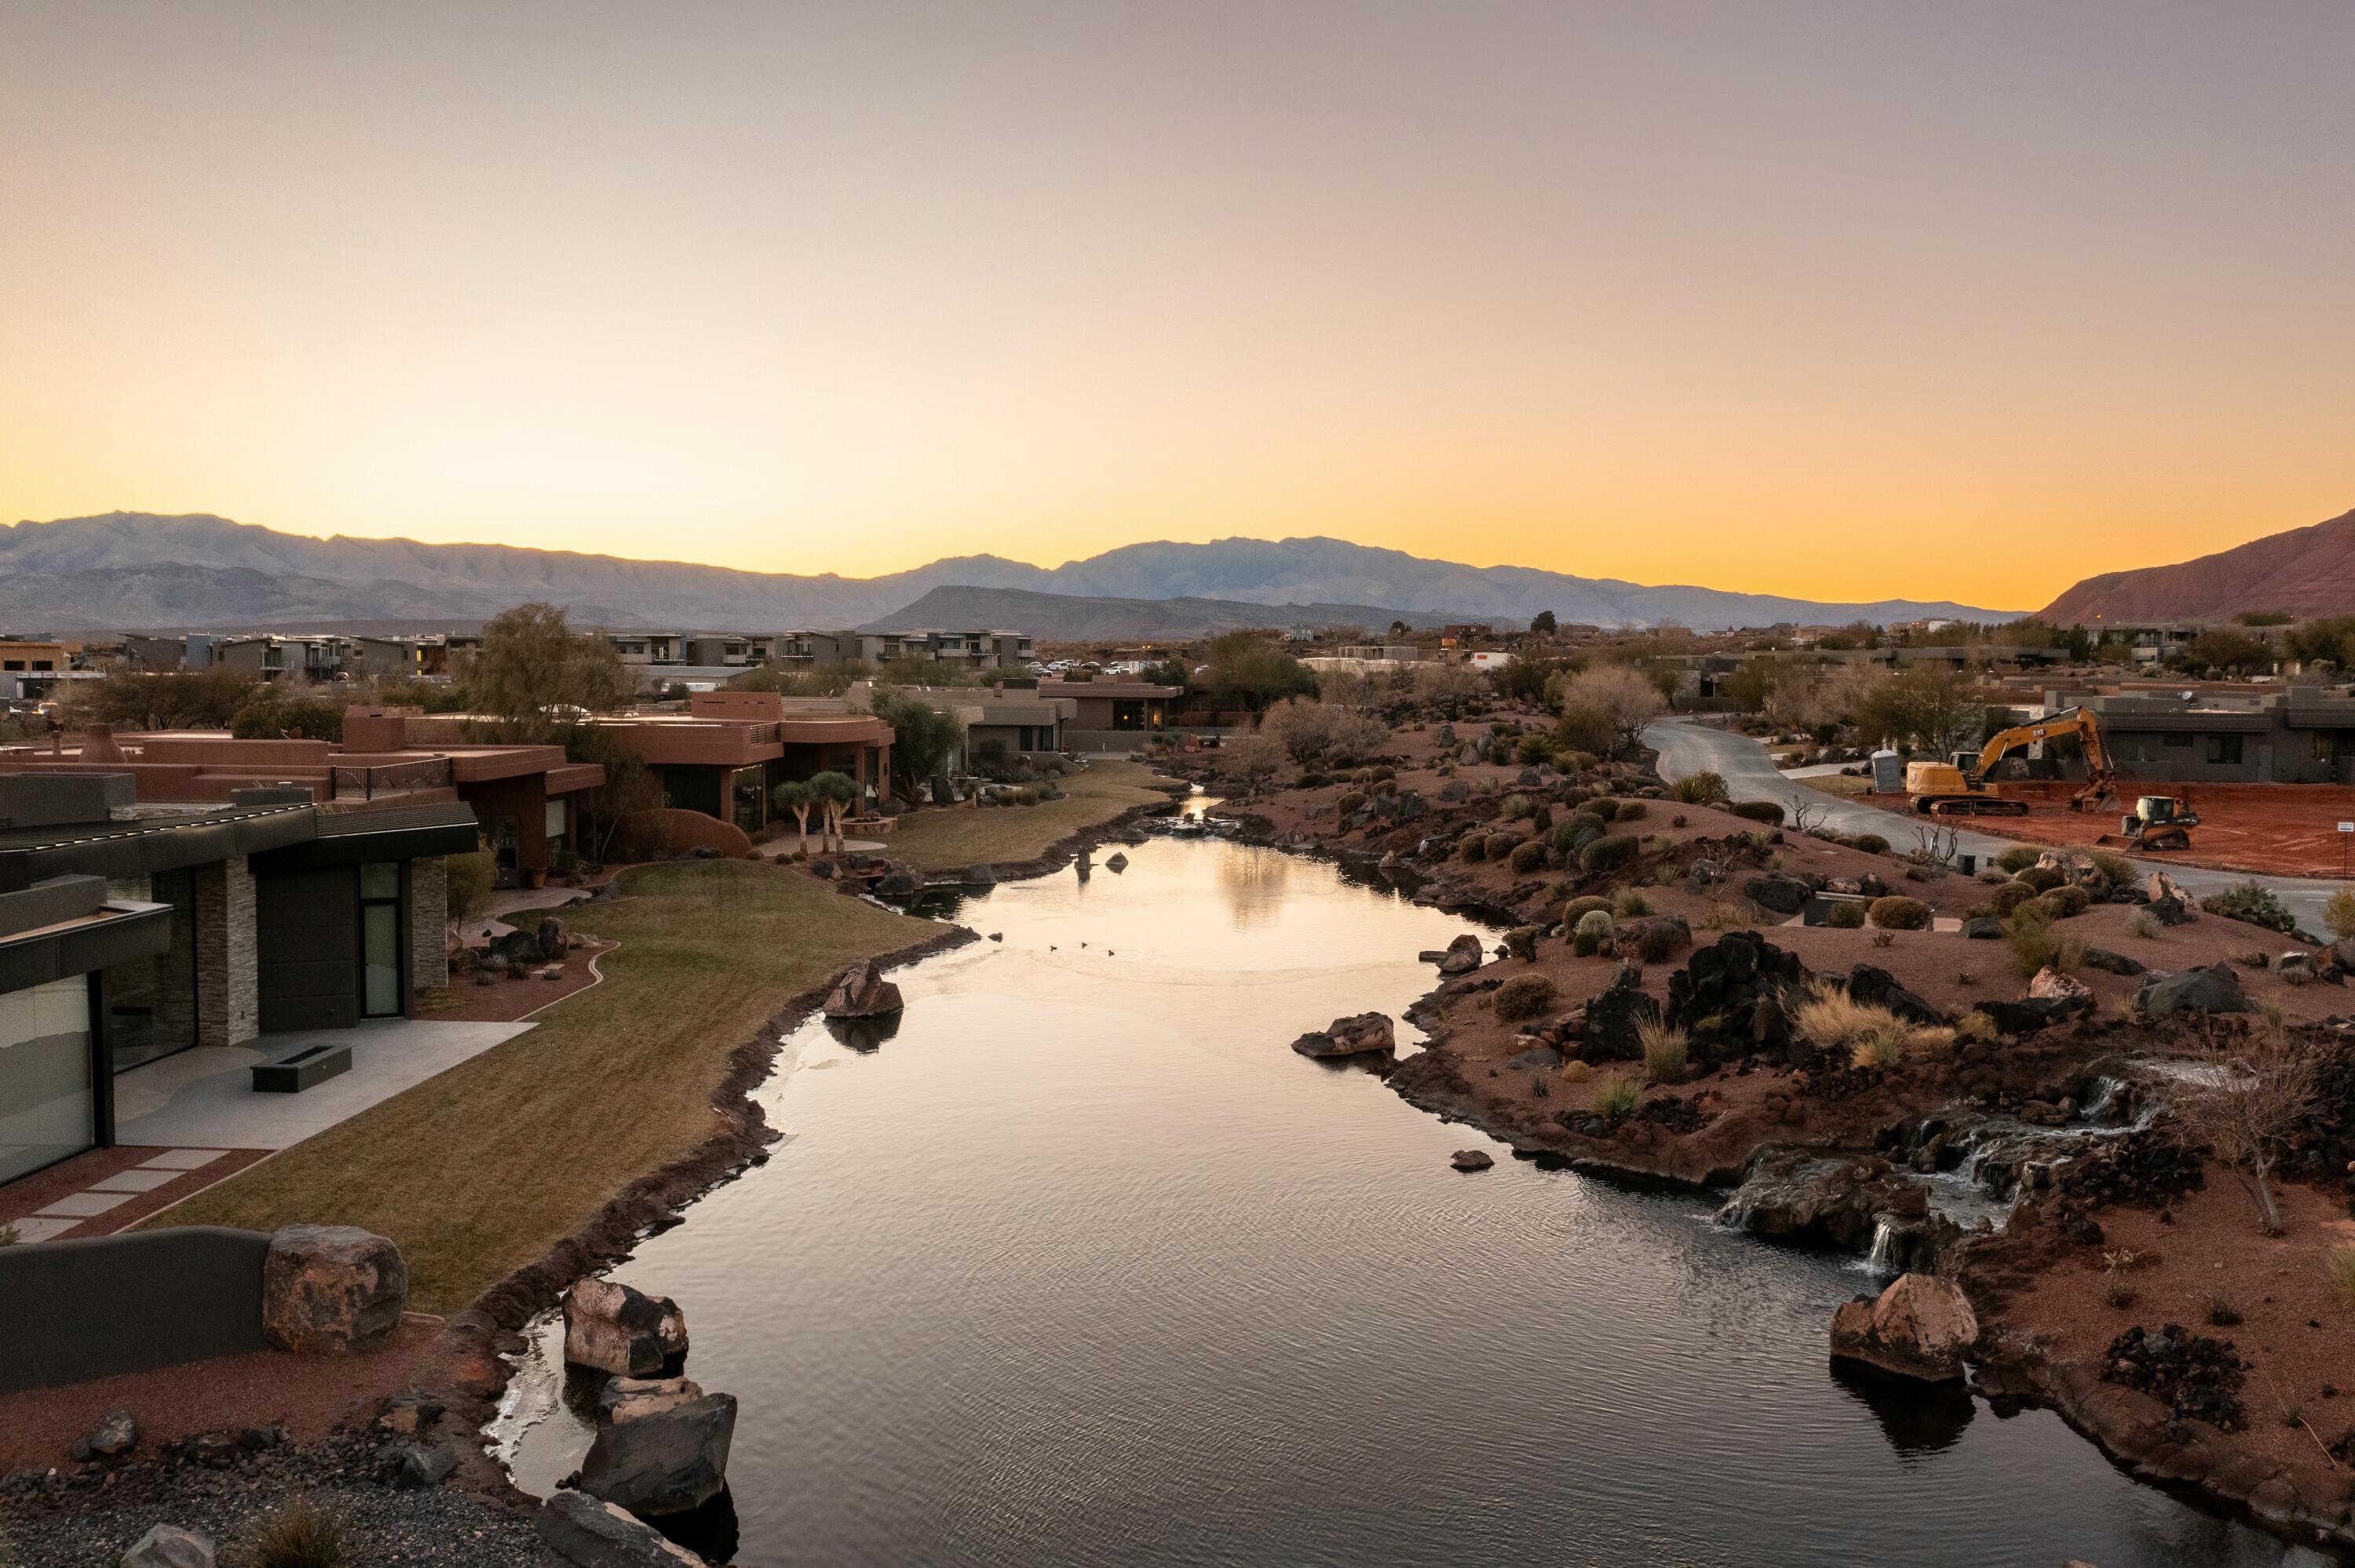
(1751, 775)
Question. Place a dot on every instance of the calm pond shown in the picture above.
(1083, 1265)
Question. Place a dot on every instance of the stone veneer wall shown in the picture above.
(429, 924)
(229, 992)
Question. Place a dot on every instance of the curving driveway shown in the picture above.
(1751, 773)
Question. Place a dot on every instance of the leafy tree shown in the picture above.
(174, 699)
(923, 738)
(2330, 640)
(271, 715)
(1398, 629)
(1449, 688)
(1246, 668)
(1170, 672)
(470, 877)
(829, 679)
(537, 678)
(1543, 623)
(2264, 618)
(622, 810)
(1525, 680)
(1932, 708)
(1604, 710)
(2232, 652)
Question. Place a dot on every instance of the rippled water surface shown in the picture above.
(1083, 1265)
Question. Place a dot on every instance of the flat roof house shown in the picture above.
(128, 937)
(729, 749)
(1110, 715)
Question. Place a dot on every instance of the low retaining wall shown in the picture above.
(73, 1310)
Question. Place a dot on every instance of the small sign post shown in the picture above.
(2346, 834)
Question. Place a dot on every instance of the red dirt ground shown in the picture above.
(2289, 829)
(310, 1396)
(2293, 1329)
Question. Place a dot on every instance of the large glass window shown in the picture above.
(46, 1108)
(381, 940)
(151, 1002)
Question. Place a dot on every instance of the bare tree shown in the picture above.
(1611, 704)
(1251, 760)
(2251, 1098)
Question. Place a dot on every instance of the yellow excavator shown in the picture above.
(1959, 787)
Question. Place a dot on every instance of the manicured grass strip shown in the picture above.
(480, 1171)
(941, 841)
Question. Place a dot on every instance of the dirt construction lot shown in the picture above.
(2286, 830)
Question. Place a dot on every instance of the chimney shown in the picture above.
(98, 743)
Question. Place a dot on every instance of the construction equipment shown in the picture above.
(2158, 822)
(1959, 789)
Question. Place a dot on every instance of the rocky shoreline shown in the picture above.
(1822, 1154)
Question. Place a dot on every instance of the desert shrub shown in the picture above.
(2035, 945)
(1523, 996)
(1699, 789)
(300, 1535)
(1500, 845)
(1871, 843)
(2144, 924)
(1594, 929)
(1616, 1098)
(1578, 909)
(1533, 748)
(1656, 942)
(1632, 811)
(2221, 1312)
(2017, 859)
(1518, 807)
(2065, 902)
(1608, 853)
(1830, 1019)
(2042, 878)
(1631, 902)
(2009, 897)
(1976, 1026)
(1604, 807)
(1473, 847)
(1527, 856)
(1845, 916)
(1541, 820)
(1898, 913)
(2254, 901)
(1384, 772)
(1350, 801)
(2115, 869)
(2339, 915)
(470, 879)
(2339, 1269)
(1759, 811)
(1666, 1050)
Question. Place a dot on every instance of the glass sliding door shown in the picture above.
(381, 940)
(47, 1103)
(151, 1002)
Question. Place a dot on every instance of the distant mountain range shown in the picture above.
(125, 571)
(2305, 572)
(1077, 617)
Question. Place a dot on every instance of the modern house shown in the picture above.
(2223, 734)
(527, 798)
(1110, 715)
(1013, 718)
(724, 756)
(127, 937)
(950, 650)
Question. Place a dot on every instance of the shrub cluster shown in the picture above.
(1898, 913)
(1523, 996)
(1608, 852)
(1769, 811)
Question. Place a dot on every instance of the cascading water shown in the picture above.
(1880, 1260)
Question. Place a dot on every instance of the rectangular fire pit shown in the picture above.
(293, 1074)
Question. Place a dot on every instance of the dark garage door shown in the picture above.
(308, 925)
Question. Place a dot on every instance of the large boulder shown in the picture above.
(612, 1328)
(2216, 988)
(628, 1398)
(863, 992)
(2029, 1015)
(1613, 1017)
(1982, 928)
(1735, 997)
(169, 1546)
(1782, 895)
(580, 1531)
(1361, 1034)
(331, 1290)
(668, 1462)
(1921, 1327)
(1876, 985)
(2051, 984)
(1460, 956)
(549, 939)
(2168, 904)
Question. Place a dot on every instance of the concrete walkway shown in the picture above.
(205, 1098)
(1751, 775)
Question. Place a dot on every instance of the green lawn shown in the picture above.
(480, 1171)
(962, 835)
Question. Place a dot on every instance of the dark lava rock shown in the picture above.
(1734, 996)
(1612, 1018)
(2216, 988)
(1879, 988)
(2198, 1378)
(1782, 895)
(2028, 1016)
(2145, 1167)
(1536, 1059)
(578, 1530)
(1471, 1160)
(417, 1467)
(2114, 963)
(1982, 928)
(666, 1463)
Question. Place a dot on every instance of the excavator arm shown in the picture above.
(2077, 722)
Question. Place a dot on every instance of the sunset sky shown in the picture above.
(1840, 300)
